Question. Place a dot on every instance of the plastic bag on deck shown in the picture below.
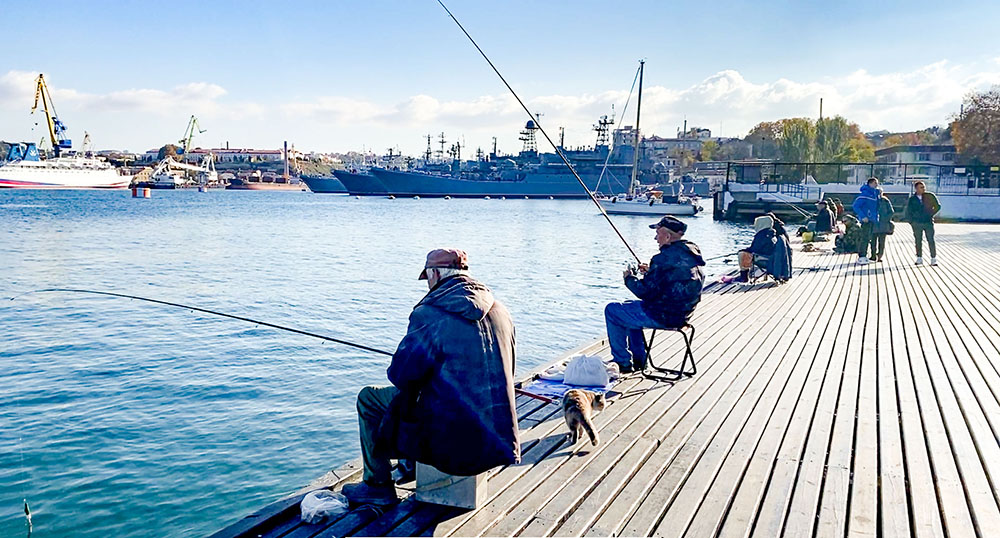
(322, 503)
(587, 371)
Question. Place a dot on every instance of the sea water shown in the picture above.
(124, 418)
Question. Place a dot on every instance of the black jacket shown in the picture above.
(763, 243)
(455, 372)
(885, 212)
(922, 212)
(824, 221)
(672, 287)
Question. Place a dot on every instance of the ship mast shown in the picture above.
(635, 148)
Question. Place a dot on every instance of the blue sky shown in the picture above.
(338, 76)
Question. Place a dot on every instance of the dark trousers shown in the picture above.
(865, 238)
(877, 245)
(920, 229)
(373, 402)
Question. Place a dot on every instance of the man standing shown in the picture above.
(451, 403)
(668, 291)
(920, 210)
(866, 208)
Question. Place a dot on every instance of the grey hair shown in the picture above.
(445, 272)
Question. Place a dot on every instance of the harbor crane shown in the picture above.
(57, 129)
(189, 133)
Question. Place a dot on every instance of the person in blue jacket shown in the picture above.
(866, 208)
(451, 402)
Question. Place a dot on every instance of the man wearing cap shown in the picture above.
(451, 402)
(668, 292)
(824, 218)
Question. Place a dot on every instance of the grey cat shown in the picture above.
(578, 406)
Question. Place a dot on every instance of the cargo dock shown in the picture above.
(855, 400)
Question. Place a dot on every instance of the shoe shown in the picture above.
(365, 493)
(625, 368)
(862, 260)
(920, 260)
(933, 261)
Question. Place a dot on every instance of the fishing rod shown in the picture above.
(231, 316)
(207, 311)
(544, 133)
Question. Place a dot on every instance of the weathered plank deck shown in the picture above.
(852, 401)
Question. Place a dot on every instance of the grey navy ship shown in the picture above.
(528, 174)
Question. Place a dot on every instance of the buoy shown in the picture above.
(391, 197)
(140, 192)
(202, 188)
(503, 197)
(357, 197)
(447, 197)
(525, 197)
(416, 197)
(551, 198)
(487, 198)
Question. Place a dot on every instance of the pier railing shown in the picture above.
(974, 180)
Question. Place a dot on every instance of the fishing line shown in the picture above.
(544, 133)
(207, 311)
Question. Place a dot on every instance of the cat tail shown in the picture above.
(589, 426)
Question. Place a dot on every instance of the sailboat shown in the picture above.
(648, 202)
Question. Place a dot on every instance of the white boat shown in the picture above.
(654, 203)
(75, 172)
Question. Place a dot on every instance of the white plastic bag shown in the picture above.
(586, 371)
(322, 503)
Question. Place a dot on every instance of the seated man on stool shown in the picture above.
(451, 403)
(668, 292)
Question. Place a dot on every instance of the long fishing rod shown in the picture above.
(207, 311)
(27, 511)
(544, 133)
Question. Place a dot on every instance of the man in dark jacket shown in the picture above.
(824, 218)
(668, 291)
(451, 403)
(920, 210)
(882, 228)
(866, 208)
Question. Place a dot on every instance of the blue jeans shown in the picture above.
(625, 323)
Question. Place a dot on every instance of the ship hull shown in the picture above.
(24, 175)
(535, 184)
(656, 209)
(359, 184)
(255, 186)
(324, 184)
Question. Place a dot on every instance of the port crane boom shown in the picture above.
(57, 129)
(190, 132)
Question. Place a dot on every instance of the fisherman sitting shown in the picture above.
(825, 222)
(668, 291)
(760, 250)
(451, 403)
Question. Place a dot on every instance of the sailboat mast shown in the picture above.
(635, 148)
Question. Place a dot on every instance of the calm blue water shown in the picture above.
(124, 418)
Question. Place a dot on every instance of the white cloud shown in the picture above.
(139, 116)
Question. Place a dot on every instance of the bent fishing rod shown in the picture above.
(544, 133)
(240, 318)
(207, 311)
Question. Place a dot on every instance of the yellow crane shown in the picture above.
(57, 129)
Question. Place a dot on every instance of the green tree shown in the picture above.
(708, 150)
(976, 130)
(856, 150)
(832, 135)
(169, 149)
(797, 140)
(763, 138)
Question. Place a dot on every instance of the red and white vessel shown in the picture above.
(62, 173)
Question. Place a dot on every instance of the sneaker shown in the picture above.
(365, 493)
(933, 261)
(862, 260)
(920, 260)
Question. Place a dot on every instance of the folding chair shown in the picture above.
(652, 371)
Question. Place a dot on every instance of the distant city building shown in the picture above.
(941, 155)
(242, 155)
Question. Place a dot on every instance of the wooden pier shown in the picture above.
(855, 400)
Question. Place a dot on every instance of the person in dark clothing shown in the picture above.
(839, 206)
(451, 403)
(778, 225)
(824, 218)
(668, 292)
(883, 227)
(866, 208)
(920, 210)
(760, 249)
